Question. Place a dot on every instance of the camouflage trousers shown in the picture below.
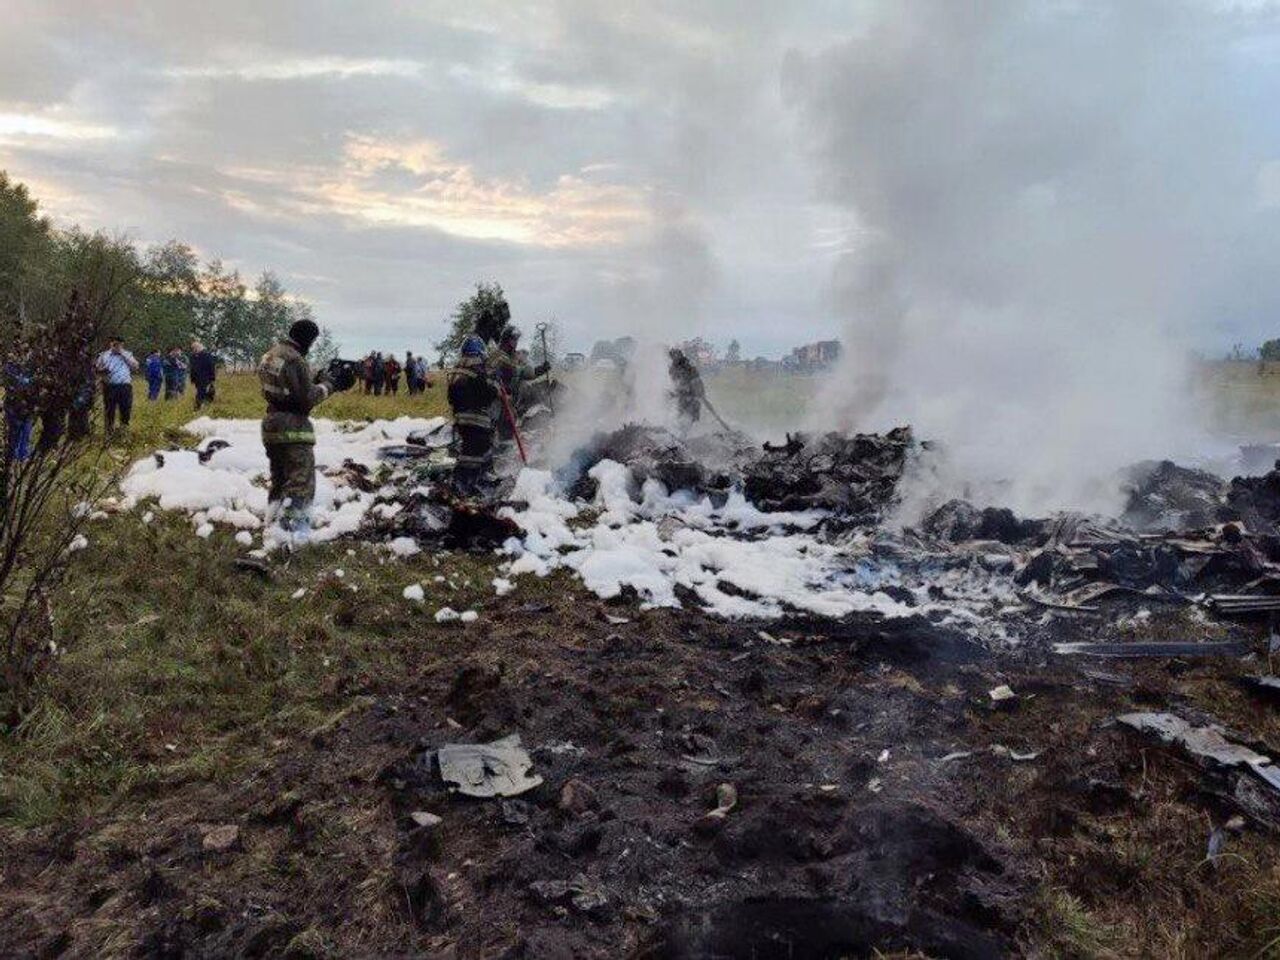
(474, 455)
(293, 478)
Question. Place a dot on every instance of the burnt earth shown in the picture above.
(833, 849)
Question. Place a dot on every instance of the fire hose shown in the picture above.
(511, 422)
(712, 411)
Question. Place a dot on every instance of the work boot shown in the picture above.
(296, 521)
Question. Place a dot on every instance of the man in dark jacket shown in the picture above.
(204, 371)
(392, 369)
(175, 374)
(291, 392)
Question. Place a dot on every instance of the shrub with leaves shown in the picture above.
(52, 473)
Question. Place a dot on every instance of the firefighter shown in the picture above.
(687, 390)
(511, 370)
(291, 391)
(471, 397)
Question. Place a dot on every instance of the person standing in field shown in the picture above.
(393, 374)
(379, 374)
(116, 366)
(155, 374)
(80, 416)
(292, 392)
(471, 397)
(175, 374)
(687, 390)
(19, 419)
(204, 371)
(410, 374)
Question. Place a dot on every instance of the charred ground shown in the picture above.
(224, 770)
(1096, 846)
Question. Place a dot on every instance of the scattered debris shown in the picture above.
(1243, 604)
(1137, 649)
(497, 769)
(577, 797)
(1000, 750)
(253, 565)
(1002, 694)
(1203, 742)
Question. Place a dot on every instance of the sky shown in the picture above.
(728, 168)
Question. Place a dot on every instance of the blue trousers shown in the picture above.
(18, 434)
(153, 389)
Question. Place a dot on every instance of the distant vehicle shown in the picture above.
(574, 361)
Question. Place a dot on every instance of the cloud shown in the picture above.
(624, 165)
(414, 183)
(23, 127)
(300, 68)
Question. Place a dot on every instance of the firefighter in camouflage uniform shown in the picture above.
(291, 392)
(511, 371)
(471, 396)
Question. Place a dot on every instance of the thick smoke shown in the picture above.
(1048, 198)
(658, 303)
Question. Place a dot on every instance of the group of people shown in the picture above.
(381, 374)
(27, 402)
(166, 372)
(62, 410)
(484, 391)
(169, 372)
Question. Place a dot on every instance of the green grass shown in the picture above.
(180, 667)
(156, 424)
(1242, 399)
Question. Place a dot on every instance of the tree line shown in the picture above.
(166, 296)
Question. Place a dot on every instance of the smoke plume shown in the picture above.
(1046, 200)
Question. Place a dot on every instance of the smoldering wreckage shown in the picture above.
(788, 725)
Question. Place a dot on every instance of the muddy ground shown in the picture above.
(880, 806)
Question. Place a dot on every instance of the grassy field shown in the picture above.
(184, 675)
(1242, 399)
(177, 665)
(161, 422)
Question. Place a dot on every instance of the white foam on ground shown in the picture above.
(655, 542)
(737, 560)
(230, 489)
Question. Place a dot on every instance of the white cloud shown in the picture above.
(27, 126)
(304, 68)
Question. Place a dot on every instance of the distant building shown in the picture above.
(813, 356)
(616, 352)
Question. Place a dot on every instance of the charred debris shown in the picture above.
(1185, 537)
